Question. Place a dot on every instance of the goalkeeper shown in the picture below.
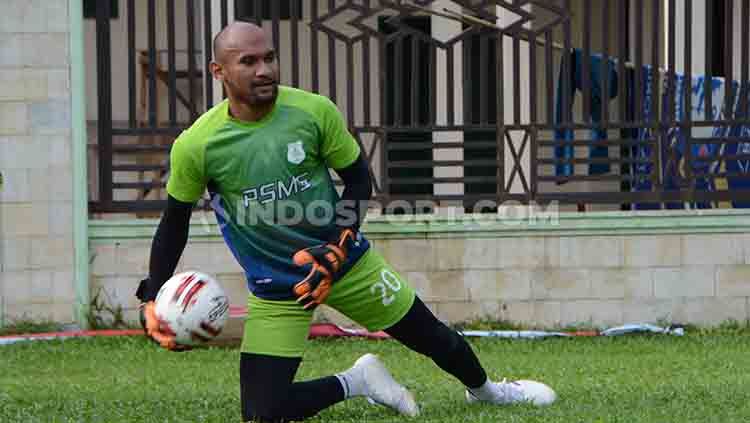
(264, 155)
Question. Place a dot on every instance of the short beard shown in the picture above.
(255, 100)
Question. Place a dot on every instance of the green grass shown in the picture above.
(696, 378)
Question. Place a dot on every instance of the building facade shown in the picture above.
(447, 114)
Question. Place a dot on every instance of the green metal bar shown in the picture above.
(80, 188)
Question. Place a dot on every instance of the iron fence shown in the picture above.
(577, 101)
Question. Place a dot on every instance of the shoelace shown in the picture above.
(512, 391)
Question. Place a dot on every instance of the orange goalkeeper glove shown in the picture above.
(325, 261)
(158, 330)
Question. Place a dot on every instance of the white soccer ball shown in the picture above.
(193, 307)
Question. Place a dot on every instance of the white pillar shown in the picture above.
(698, 41)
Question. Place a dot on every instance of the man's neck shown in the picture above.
(247, 113)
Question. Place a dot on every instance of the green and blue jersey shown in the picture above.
(269, 182)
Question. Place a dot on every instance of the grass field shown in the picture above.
(696, 378)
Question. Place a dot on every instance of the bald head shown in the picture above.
(245, 62)
(235, 35)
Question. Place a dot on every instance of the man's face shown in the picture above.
(250, 70)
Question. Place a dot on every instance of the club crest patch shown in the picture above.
(295, 152)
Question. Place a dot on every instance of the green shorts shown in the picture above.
(372, 294)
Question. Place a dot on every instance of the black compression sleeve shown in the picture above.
(351, 209)
(268, 395)
(167, 246)
(422, 332)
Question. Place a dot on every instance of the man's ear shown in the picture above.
(217, 71)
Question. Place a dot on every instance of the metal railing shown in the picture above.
(446, 113)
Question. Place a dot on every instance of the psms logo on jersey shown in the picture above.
(295, 152)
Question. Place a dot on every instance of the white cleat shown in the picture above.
(381, 388)
(519, 391)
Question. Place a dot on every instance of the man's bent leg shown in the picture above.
(374, 295)
(422, 332)
(272, 347)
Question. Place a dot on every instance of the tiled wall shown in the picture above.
(36, 236)
(539, 281)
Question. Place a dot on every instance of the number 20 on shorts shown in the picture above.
(386, 287)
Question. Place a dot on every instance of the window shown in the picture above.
(411, 74)
(472, 51)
